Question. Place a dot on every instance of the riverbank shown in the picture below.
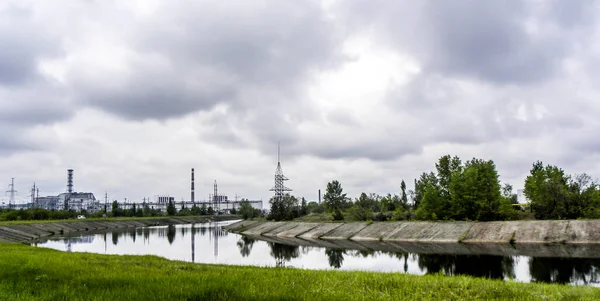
(28, 273)
(29, 231)
(580, 238)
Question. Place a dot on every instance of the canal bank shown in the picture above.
(579, 238)
(27, 233)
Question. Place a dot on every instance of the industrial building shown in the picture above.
(70, 200)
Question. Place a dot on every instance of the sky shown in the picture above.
(133, 94)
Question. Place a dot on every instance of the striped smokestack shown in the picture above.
(193, 197)
(70, 181)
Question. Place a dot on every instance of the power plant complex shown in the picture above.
(87, 202)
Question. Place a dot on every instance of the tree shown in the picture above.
(196, 210)
(116, 211)
(210, 210)
(335, 199)
(546, 188)
(314, 207)
(246, 210)
(283, 208)
(403, 197)
(461, 192)
(171, 208)
(303, 207)
(584, 197)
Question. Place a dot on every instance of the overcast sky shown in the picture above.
(133, 94)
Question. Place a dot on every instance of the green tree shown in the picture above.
(246, 210)
(303, 207)
(335, 199)
(547, 189)
(116, 211)
(476, 192)
(314, 207)
(283, 208)
(171, 211)
(461, 192)
(210, 210)
(403, 197)
(584, 197)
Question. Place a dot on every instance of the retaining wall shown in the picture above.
(27, 233)
(579, 238)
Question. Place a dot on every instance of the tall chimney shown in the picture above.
(193, 199)
(70, 181)
(319, 196)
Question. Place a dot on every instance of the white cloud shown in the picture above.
(134, 94)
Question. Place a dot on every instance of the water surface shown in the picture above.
(208, 243)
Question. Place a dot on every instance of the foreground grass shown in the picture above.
(29, 222)
(28, 273)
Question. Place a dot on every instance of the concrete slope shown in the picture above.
(509, 232)
(27, 233)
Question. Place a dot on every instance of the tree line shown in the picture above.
(461, 191)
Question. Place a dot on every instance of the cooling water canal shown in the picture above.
(208, 243)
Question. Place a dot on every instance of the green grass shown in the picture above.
(28, 273)
(28, 222)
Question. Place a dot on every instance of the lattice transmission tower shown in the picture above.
(280, 179)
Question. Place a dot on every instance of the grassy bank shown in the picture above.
(28, 273)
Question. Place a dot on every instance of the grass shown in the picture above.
(28, 273)
(29, 222)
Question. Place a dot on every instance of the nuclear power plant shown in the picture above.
(86, 201)
(70, 200)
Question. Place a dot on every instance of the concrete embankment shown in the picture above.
(530, 238)
(27, 233)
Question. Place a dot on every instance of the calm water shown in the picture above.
(208, 243)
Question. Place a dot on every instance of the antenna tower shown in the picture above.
(33, 197)
(12, 192)
(279, 189)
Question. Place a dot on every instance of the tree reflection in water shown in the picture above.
(335, 257)
(115, 238)
(171, 231)
(564, 270)
(245, 245)
(402, 256)
(283, 253)
(488, 266)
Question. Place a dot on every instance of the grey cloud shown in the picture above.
(485, 40)
(376, 150)
(215, 54)
(22, 44)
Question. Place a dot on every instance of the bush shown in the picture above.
(401, 214)
(382, 217)
(358, 213)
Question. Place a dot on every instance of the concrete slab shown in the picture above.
(430, 231)
(241, 226)
(376, 231)
(29, 229)
(320, 230)
(50, 228)
(345, 231)
(18, 232)
(300, 229)
(583, 232)
(284, 227)
(262, 228)
(542, 232)
(492, 232)
(9, 235)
